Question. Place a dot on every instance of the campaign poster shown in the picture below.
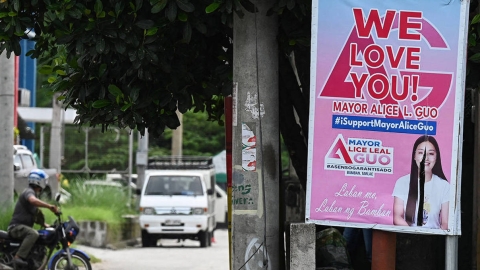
(386, 108)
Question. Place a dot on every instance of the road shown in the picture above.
(167, 255)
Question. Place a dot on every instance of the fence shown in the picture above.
(88, 150)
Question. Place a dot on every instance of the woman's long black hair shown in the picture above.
(414, 183)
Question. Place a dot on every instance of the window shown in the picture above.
(27, 161)
(174, 185)
(18, 161)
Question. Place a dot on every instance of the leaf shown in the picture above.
(145, 24)
(126, 106)
(75, 13)
(152, 31)
(187, 32)
(98, 7)
(120, 46)
(290, 4)
(102, 69)
(45, 69)
(249, 6)
(212, 7)
(159, 6)
(101, 103)
(201, 28)
(185, 5)
(475, 19)
(114, 90)
(138, 4)
(134, 94)
(16, 5)
(475, 58)
(100, 46)
(171, 11)
(182, 16)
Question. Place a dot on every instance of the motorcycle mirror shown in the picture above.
(57, 197)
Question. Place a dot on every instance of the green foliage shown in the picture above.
(5, 217)
(128, 63)
(201, 137)
(473, 63)
(101, 204)
(96, 203)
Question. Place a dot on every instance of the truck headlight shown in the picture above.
(148, 211)
(199, 211)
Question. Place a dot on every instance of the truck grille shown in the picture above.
(173, 211)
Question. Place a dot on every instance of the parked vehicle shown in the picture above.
(60, 236)
(23, 164)
(122, 179)
(221, 207)
(178, 200)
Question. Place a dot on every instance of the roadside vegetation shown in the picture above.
(106, 204)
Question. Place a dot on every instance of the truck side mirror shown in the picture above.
(16, 167)
(210, 191)
(138, 191)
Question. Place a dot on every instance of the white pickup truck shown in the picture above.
(23, 164)
(177, 200)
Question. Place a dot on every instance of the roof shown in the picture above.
(44, 115)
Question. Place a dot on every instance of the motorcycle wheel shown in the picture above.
(79, 261)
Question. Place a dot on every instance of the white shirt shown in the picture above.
(437, 192)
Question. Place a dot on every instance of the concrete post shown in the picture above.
(55, 154)
(142, 158)
(177, 137)
(6, 130)
(256, 234)
(302, 246)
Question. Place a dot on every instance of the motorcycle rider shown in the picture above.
(26, 213)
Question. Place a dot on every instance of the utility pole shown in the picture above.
(142, 158)
(256, 230)
(7, 85)
(55, 156)
(177, 137)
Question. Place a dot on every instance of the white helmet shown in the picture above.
(38, 178)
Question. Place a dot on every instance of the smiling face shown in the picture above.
(431, 157)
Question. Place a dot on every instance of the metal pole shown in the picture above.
(130, 158)
(42, 145)
(451, 253)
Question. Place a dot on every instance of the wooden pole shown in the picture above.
(383, 250)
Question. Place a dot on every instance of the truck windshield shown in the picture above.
(174, 185)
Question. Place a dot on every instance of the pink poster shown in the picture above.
(387, 90)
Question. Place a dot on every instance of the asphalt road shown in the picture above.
(167, 255)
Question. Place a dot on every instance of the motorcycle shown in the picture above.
(59, 236)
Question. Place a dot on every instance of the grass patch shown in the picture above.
(87, 203)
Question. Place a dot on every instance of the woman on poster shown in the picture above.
(433, 212)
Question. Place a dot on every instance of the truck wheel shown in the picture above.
(148, 240)
(209, 243)
(203, 237)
